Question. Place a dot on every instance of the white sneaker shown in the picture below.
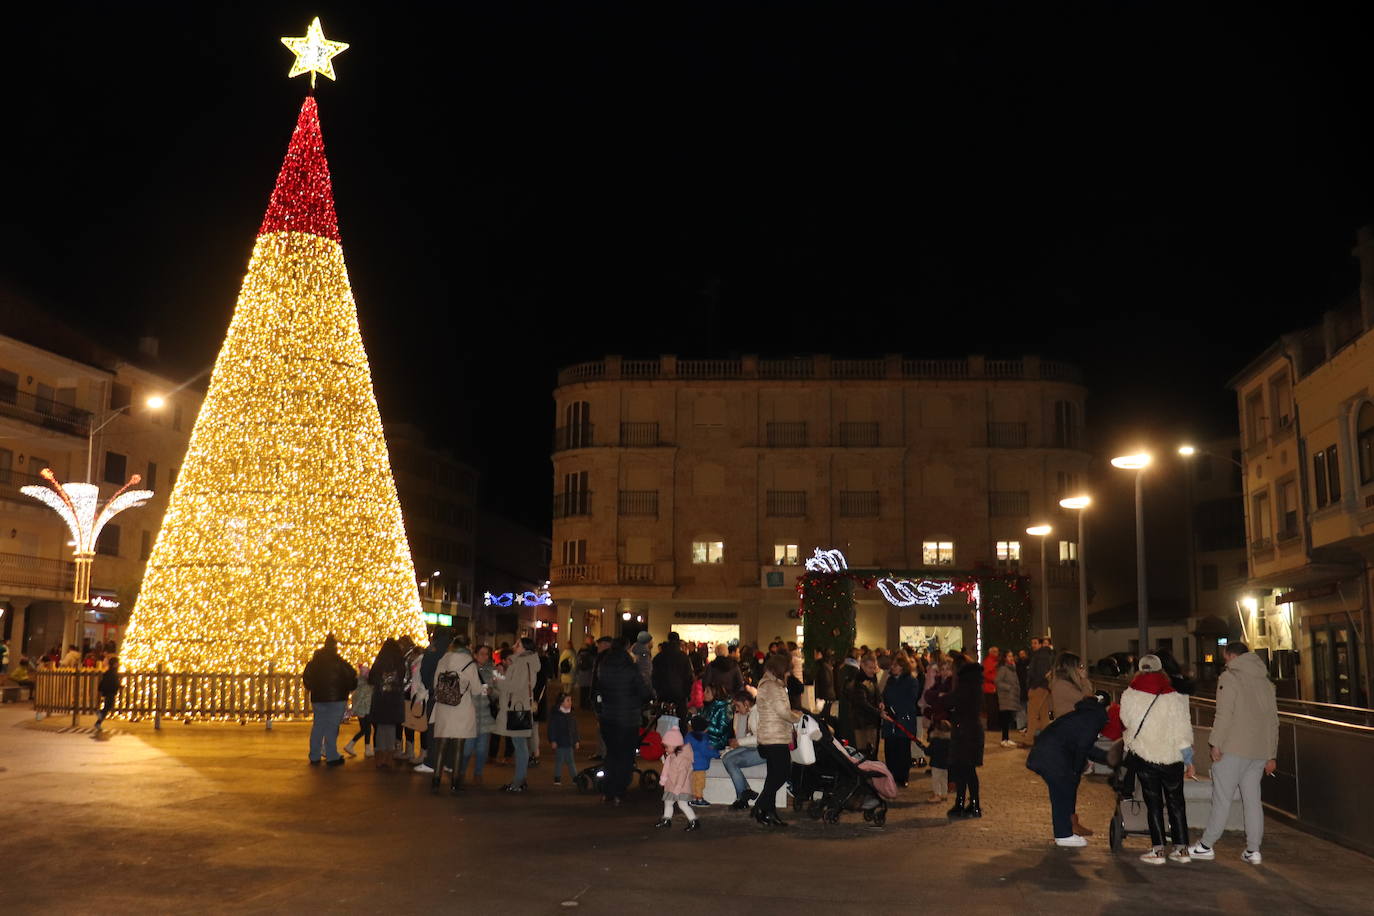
(1254, 858)
(1153, 857)
(424, 768)
(1074, 840)
(368, 751)
(1008, 744)
(1180, 855)
(1198, 851)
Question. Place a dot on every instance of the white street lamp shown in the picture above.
(1080, 505)
(155, 402)
(1041, 531)
(1138, 463)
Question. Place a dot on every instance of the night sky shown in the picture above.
(1152, 190)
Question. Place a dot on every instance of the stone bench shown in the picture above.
(1197, 796)
(721, 791)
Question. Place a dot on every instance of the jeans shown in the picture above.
(324, 730)
(779, 760)
(1228, 773)
(621, 741)
(736, 761)
(1063, 803)
(522, 760)
(108, 703)
(1162, 784)
(563, 756)
(475, 749)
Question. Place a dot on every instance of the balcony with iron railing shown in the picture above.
(814, 366)
(638, 503)
(572, 504)
(786, 503)
(1006, 435)
(44, 411)
(858, 504)
(639, 435)
(571, 437)
(11, 481)
(1062, 575)
(791, 434)
(860, 435)
(23, 571)
(1008, 503)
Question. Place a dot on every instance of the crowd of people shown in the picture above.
(437, 709)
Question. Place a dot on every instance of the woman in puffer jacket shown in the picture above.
(1158, 734)
(776, 717)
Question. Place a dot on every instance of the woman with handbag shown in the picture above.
(458, 690)
(388, 680)
(515, 707)
(776, 717)
(1158, 734)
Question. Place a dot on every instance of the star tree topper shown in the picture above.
(314, 53)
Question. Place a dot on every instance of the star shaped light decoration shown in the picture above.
(314, 53)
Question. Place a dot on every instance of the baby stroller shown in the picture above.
(650, 750)
(1129, 818)
(847, 782)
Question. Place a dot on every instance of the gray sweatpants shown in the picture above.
(1227, 773)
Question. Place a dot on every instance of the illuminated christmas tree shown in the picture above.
(283, 524)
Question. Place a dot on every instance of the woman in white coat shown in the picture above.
(456, 672)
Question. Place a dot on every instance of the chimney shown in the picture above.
(147, 346)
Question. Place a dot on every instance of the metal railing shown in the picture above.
(639, 435)
(1320, 784)
(159, 695)
(858, 504)
(1062, 574)
(1007, 435)
(860, 435)
(19, 570)
(786, 503)
(573, 503)
(638, 502)
(1009, 503)
(45, 412)
(790, 434)
(570, 437)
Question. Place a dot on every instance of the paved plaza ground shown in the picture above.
(228, 818)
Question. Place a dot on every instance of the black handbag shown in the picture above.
(518, 720)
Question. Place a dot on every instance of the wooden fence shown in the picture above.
(159, 695)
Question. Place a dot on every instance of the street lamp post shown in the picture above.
(156, 402)
(1041, 531)
(1138, 463)
(1080, 504)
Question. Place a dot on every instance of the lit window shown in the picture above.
(785, 555)
(1068, 551)
(1009, 552)
(937, 553)
(708, 551)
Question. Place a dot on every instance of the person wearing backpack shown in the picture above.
(458, 688)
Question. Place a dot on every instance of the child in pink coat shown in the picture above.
(676, 780)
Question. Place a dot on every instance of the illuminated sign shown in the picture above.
(101, 603)
(439, 620)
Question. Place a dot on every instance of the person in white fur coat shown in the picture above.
(1158, 734)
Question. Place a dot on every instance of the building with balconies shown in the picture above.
(687, 492)
(1307, 427)
(55, 388)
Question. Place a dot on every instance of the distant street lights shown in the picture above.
(1080, 505)
(1138, 463)
(1041, 531)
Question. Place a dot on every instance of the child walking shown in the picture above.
(109, 687)
(703, 752)
(563, 738)
(362, 708)
(676, 780)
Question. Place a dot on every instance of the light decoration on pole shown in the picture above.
(536, 598)
(314, 53)
(907, 592)
(79, 506)
(284, 524)
(826, 561)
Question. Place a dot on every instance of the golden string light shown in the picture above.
(284, 523)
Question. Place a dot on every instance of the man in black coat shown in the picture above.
(620, 703)
(722, 675)
(673, 674)
(1059, 756)
(330, 680)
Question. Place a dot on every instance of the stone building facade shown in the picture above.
(687, 492)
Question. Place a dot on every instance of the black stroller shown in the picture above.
(1129, 818)
(843, 784)
(650, 750)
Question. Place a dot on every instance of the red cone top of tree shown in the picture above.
(303, 200)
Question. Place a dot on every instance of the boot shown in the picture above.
(348, 748)
(742, 802)
(1079, 828)
(958, 809)
(973, 809)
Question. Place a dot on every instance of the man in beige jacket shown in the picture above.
(1245, 742)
